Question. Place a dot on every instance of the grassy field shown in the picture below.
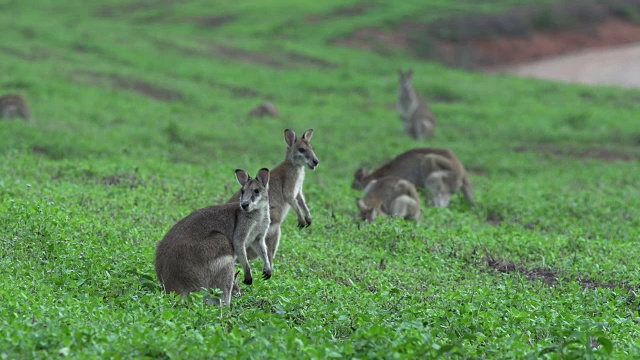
(140, 117)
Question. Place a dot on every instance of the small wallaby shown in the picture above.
(417, 118)
(390, 196)
(200, 250)
(263, 110)
(285, 190)
(436, 169)
(14, 105)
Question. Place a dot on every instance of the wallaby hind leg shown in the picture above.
(406, 207)
(222, 276)
(273, 241)
(440, 195)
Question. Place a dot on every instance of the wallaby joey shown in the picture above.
(438, 170)
(200, 250)
(417, 118)
(285, 189)
(14, 105)
(390, 196)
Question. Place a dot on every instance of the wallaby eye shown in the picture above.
(241, 191)
(302, 150)
(256, 191)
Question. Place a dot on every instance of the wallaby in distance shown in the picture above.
(14, 105)
(285, 189)
(417, 118)
(438, 170)
(390, 196)
(263, 110)
(200, 250)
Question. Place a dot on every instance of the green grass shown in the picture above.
(103, 173)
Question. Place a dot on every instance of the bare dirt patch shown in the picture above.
(130, 84)
(279, 59)
(523, 34)
(553, 277)
(211, 21)
(133, 7)
(131, 180)
(604, 154)
(33, 54)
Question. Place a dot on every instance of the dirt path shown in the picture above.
(614, 66)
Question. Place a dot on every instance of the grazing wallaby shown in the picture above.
(199, 251)
(14, 105)
(285, 189)
(390, 196)
(417, 118)
(263, 110)
(439, 170)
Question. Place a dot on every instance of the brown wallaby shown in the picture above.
(390, 196)
(285, 190)
(436, 169)
(14, 105)
(417, 118)
(199, 251)
(263, 110)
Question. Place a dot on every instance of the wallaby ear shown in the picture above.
(289, 137)
(360, 174)
(263, 176)
(242, 176)
(409, 73)
(400, 73)
(308, 134)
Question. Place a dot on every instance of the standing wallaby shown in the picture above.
(390, 196)
(14, 105)
(439, 170)
(417, 118)
(199, 251)
(285, 191)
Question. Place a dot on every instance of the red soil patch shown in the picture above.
(472, 43)
(512, 50)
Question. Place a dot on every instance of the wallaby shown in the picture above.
(436, 169)
(199, 251)
(417, 118)
(285, 190)
(263, 110)
(390, 196)
(14, 105)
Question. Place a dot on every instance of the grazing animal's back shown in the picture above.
(424, 167)
(14, 105)
(390, 196)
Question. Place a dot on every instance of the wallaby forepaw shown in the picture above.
(308, 220)
(248, 280)
(266, 274)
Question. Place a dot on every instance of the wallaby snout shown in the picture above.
(313, 162)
